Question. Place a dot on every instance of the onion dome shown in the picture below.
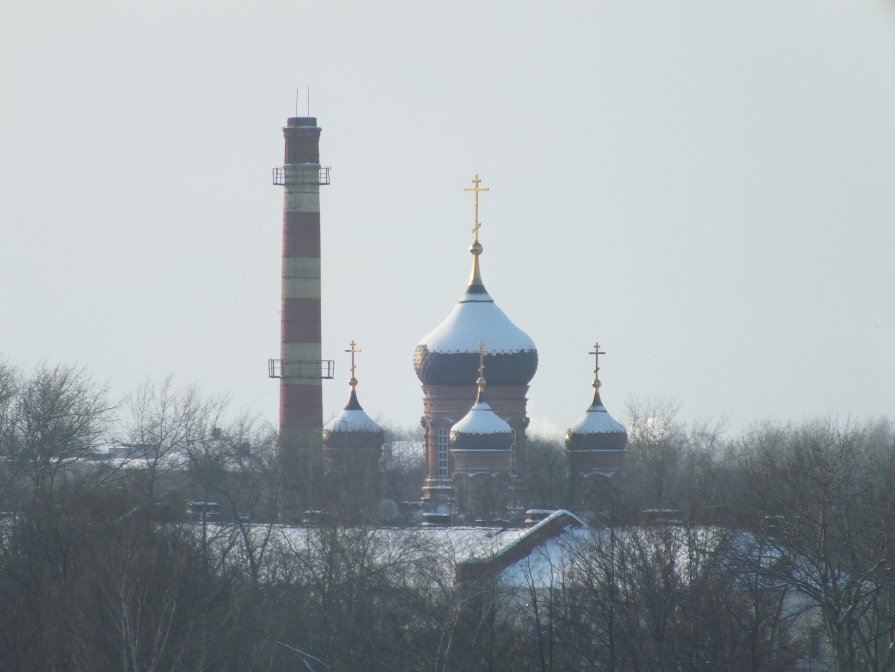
(352, 428)
(597, 430)
(481, 428)
(448, 354)
(354, 421)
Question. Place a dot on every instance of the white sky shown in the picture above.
(704, 186)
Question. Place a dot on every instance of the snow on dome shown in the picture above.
(481, 420)
(352, 421)
(477, 318)
(352, 418)
(596, 431)
(448, 355)
(597, 421)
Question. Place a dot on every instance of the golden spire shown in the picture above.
(596, 353)
(354, 350)
(480, 383)
(476, 247)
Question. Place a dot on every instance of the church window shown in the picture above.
(442, 452)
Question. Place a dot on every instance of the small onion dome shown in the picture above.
(352, 428)
(448, 355)
(597, 430)
(481, 429)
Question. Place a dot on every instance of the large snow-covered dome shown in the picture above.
(448, 355)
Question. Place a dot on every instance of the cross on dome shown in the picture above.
(476, 189)
(353, 350)
(596, 353)
(481, 381)
(476, 247)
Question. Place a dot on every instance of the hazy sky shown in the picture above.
(704, 186)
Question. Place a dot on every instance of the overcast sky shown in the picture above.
(704, 186)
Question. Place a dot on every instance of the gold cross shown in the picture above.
(596, 353)
(480, 383)
(477, 190)
(482, 351)
(353, 352)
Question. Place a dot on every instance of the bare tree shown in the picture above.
(159, 425)
(367, 599)
(60, 416)
(654, 449)
(236, 465)
(827, 489)
(11, 462)
(545, 477)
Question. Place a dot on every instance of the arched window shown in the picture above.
(443, 452)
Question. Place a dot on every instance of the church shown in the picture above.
(475, 369)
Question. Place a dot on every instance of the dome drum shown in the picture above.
(458, 368)
(602, 442)
(362, 461)
(597, 461)
(357, 441)
(449, 403)
(462, 442)
(482, 494)
(481, 461)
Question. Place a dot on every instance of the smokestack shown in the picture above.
(301, 367)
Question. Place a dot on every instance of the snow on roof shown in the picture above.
(477, 318)
(597, 421)
(689, 550)
(470, 542)
(548, 564)
(352, 421)
(434, 547)
(437, 548)
(543, 561)
(481, 420)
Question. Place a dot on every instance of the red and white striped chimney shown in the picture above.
(301, 367)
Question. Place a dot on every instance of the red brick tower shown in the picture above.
(447, 359)
(595, 444)
(301, 367)
(352, 448)
(481, 454)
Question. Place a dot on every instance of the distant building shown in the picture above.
(475, 441)
(595, 445)
(352, 451)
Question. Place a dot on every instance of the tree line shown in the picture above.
(102, 568)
